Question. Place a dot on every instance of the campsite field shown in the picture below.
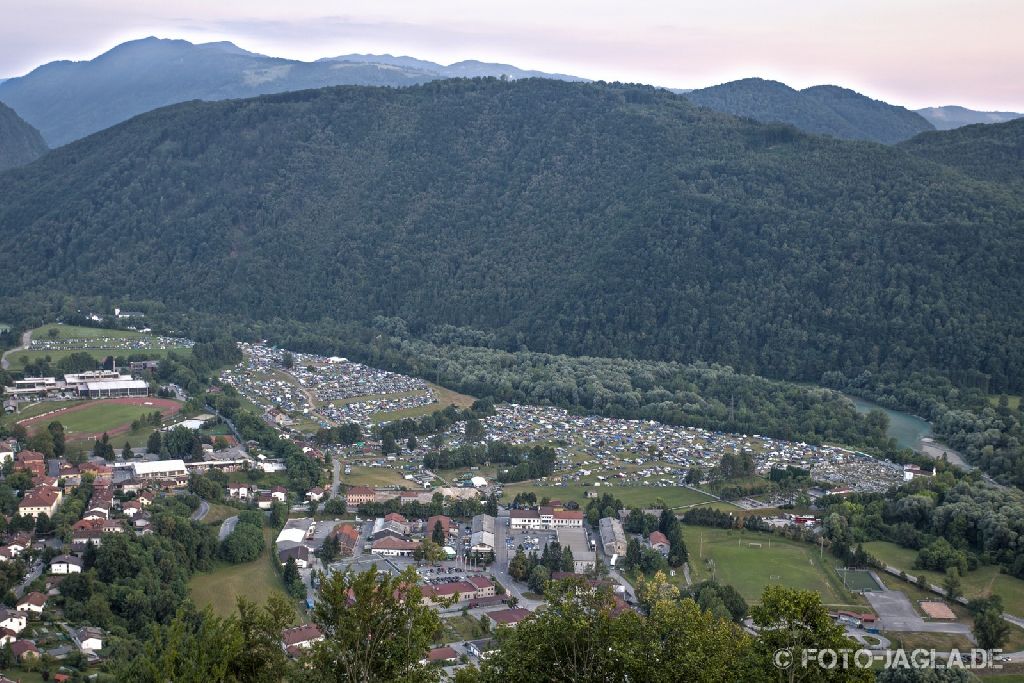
(99, 343)
(749, 561)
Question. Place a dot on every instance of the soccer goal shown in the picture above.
(753, 545)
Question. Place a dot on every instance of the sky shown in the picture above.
(908, 52)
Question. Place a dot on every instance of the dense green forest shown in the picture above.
(984, 151)
(20, 143)
(823, 109)
(560, 217)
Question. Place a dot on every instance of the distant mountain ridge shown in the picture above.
(69, 100)
(469, 68)
(952, 116)
(20, 143)
(821, 109)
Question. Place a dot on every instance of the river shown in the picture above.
(911, 431)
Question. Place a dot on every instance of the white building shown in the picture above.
(65, 564)
(546, 518)
(159, 469)
(482, 540)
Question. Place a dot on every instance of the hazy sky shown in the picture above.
(908, 52)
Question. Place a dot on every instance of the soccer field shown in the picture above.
(84, 420)
(858, 580)
(749, 561)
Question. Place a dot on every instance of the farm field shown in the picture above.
(750, 568)
(83, 420)
(255, 580)
(980, 582)
(631, 496)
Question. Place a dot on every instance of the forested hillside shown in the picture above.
(823, 109)
(984, 151)
(20, 143)
(563, 217)
(69, 100)
(950, 117)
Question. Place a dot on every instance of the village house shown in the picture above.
(443, 655)
(88, 638)
(509, 617)
(13, 619)
(24, 650)
(40, 500)
(298, 638)
(32, 602)
(279, 494)
(65, 564)
(390, 546)
(659, 542)
(472, 588)
(613, 538)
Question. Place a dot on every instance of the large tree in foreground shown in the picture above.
(375, 628)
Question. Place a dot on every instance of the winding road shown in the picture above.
(26, 339)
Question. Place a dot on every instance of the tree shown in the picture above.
(103, 449)
(491, 505)
(388, 444)
(796, 621)
(519, 565)
(375, 626)
(539, 577)
(287, 360)
(633, 554)
(330, 550)
(411, 443)
(126, 452)
(990, 629)
(437, 534)
(474, 430)
(278, 514)
(694, 475)
(153, 443)
(293, 580)
(220, 443)
(951, 584)
(42, 441)
(56, 430)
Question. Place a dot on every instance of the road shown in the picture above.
(37, 570)
(201, 511)
(226, 527)
(26, 339)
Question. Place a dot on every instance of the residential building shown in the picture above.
(659, 542)
(65, 564)
(88, 638)
(613, 538)
(509, 617)
(32, 602)
(295, 640)
(40, 500)
(546, 518)
(13, 619)
(390, 546)
(359, 495)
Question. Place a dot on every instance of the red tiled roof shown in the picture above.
(442, 654)
(657, 537)
(509, 616)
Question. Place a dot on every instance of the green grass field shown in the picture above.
(36, 409)
(858, 580)
(980, 582)
(255, 580)
(15, 358)
(375, 476)
(102, 416)
(631, 496)
(749, 568)
(76, 332)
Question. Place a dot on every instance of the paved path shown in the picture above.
(201, 511)
(26, 339)
(226, 527)
(34, 573)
